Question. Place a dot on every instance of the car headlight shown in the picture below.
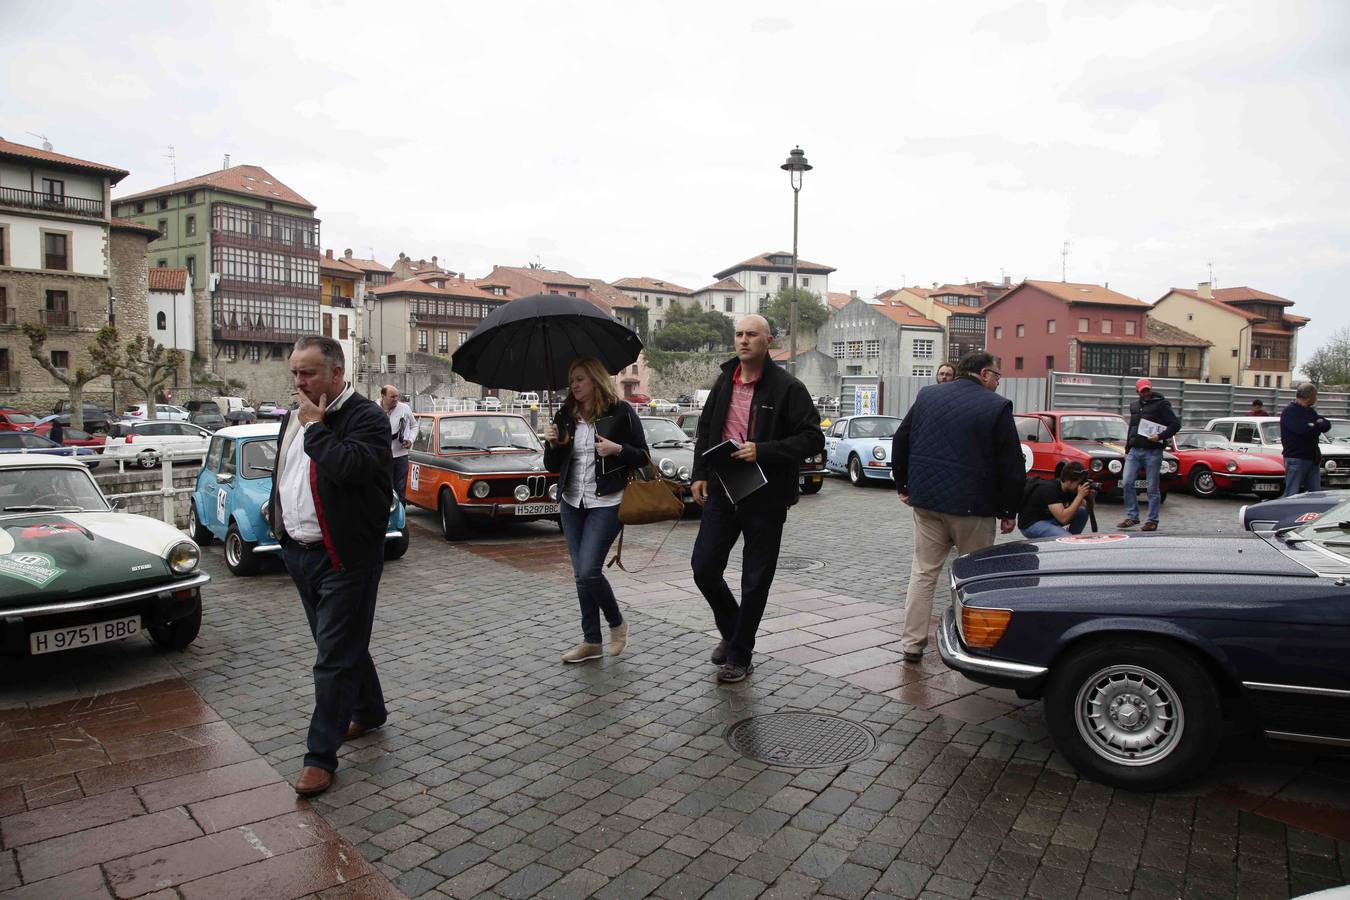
(522, 493)
(668, 467)
(480, 489)
(684, 473)
(878, 452)
(1331, 465)
(183, 557)
(1232, 465)
(1114, 465)
(1168, 467)
(553, 492)
(1097, 465)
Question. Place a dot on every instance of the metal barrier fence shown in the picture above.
(167, 490)
(1195, 402)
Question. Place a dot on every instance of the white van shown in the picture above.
(527, 398)
(230, 404)
(700, 397)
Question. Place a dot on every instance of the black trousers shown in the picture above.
(340, 607)
(723, 522)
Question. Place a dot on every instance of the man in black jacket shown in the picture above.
(1152, 424)
(771, 416)
(1301, 430)
(329, 510)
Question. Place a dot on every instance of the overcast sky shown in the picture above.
(951, 141)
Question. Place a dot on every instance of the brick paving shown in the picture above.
(503, 773)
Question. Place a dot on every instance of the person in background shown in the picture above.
(58, 432)
(945, 373)
(957, 463)
(1146, 452)
(1258, 409)
(592, 471)
(402, 428)
(1055, 507)
(1301, 429)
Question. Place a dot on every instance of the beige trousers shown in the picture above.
(935, 534)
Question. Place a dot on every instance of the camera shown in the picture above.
(1093, 486)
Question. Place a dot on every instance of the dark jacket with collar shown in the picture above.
(1301, 429)
(349, 475)
(1156, 409)
(627, 431)
(956, 452)
(784, 427)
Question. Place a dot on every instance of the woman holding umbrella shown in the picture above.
(592, 443)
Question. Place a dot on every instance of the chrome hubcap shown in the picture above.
(233, 550)
(1129, 715)
(1205, 482)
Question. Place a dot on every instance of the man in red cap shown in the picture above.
(1152, 424)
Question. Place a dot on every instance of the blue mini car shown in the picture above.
(860, 447)
(1147, 648)
(230, 499)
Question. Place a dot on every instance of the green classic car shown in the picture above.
(74, 572)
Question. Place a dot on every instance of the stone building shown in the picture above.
(65, 263)
(880, 340)
(251, 248)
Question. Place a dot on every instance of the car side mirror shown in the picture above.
(120, 504)
(224, 478)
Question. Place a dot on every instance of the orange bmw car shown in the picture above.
(473, 468)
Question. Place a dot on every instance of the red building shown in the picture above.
(1040, 327)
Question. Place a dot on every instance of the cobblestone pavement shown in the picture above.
(502, 773)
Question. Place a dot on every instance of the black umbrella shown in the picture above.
(528, 344)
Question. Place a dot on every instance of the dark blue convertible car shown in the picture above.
(1148, 648)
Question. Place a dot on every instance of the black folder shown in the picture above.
(739, 478)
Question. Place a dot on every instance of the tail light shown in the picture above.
(130, 435)
(983, 628)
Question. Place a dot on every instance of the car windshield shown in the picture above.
(44, 488)
(1208, 440)
(873, 427)
(259, 458)
(1270, 432)
(487, 433)
(663, 433)
(20, 418)
(1339, 433)
(1092, 428)
(1331, 529)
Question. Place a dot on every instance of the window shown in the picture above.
(1279, 381)
(162, 264)
(422, 340)
(231, 352)
(4, 239)
(191, 197)
(328, 325)
(1017, 363)
(163, 202)
(140, 206)
(658, 302)
(1190, 317)
(855, 370)
(1267, 384)
(872, 349)
(163, 226)
(253, 353)
(55, 251)
(922, 372)
(998, 332)
(190, 226)
(61, 359)
(57, 309)
(923, 348)
(1225, 380)
(1049, 364)
(764, 281)
(342, 328)
(463, 336)
(1235, 352)
(837, 349)
(161, 322)
(806, 282)
(571, 293)
(54, 188)
(1129, 326)
(855, 349)
(1106, 326)
(1114, 359)
(191, 263)
(728, 305)
(1082, 326)
(442, 342)
(1049, 326)
(1021, 331)
(782, 282)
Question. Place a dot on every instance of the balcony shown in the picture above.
(1184, 373)
(9, 381)
(75, 206)
(257, 334)
(1267, 364)
(342, 302)
(59, 318)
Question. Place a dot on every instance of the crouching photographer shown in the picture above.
(1057, 507)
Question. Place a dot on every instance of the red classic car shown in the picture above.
(15, 420)
(1210, 463)
(1095, 439)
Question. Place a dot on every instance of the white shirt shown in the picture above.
(580, 489)
(299, 515)
(402, 427)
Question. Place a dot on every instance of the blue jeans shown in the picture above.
(340, 607)
(589, 532)
(1151, 462)
(398, 474)
(1047, 528)
(1301, 475)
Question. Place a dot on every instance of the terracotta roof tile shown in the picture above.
(1072, 292)
(727, 285)
(906, 315)
(651, 284)
(1196, 295)
(168, 279)
(838, 299)
(612, 296)
(34, 154)
(762, 262)
(1162, 333)
(960, 290)
(547, 276)
(250, 181)
(338, 266)
(468, 289)
(1239, 294)
(128, 225)
(366, 265)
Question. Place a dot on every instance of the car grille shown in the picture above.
(506, 487)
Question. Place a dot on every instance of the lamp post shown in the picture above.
(409, 377)
(369, 304)
(795, 166)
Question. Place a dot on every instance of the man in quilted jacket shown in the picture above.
(958, 464)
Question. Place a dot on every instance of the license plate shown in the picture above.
(536, 509)
(1141, 484)
(82, 635)
(1268, 488)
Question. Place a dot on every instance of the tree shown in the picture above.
(811, 312)
(690, 328)
(147, 365)
(1330, 363)
(101, 353)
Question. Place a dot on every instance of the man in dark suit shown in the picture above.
(329, 510)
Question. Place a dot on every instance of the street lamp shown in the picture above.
(408, 378)
(795, 166)
(369, 303)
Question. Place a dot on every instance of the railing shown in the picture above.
(59, 318)
(1187, 374)
(259, 334)
(167, 490)
(60, 202)
(9, 380)
(343, 302)
(1267, 364)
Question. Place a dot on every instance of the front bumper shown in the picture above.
(997, 672)
(506, 510)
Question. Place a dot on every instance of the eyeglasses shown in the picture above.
(995, 372)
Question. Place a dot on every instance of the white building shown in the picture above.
(660, 297)
(724, 296)
(765, 275)
(880, 340)
(171, 319)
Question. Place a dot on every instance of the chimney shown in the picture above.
(433, 260)
(1205, 291)
(347, 254)
(227, 161)
(461, 276)
(1007, 281)
(935, 285)
(853, 294)
(328, 253)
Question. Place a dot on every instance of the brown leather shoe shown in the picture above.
(1127, 523)
(313, 781)
(1150, 526)
(356, 729)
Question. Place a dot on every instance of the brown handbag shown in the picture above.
(650, 499)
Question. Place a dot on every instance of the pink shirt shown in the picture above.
(737, 426)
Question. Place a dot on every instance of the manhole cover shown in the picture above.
(801, 740)
(799, 564)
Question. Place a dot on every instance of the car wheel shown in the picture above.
(855, 471)
(453, 523)
(398, 546)
(1133, 714)
(813, 485)
(200, 533)
(147, 459)
(1201, 482)
(239, 555)
(178, 634)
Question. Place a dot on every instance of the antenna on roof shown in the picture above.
(173, 162)
(1212, 285)
(1064, 263)
(46, 144)
(226, 164)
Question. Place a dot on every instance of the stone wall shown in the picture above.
(36, 389)
(673, 374)
(134, 480)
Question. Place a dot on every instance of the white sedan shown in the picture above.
(163, 412)
(663, 406)
(147, 442)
